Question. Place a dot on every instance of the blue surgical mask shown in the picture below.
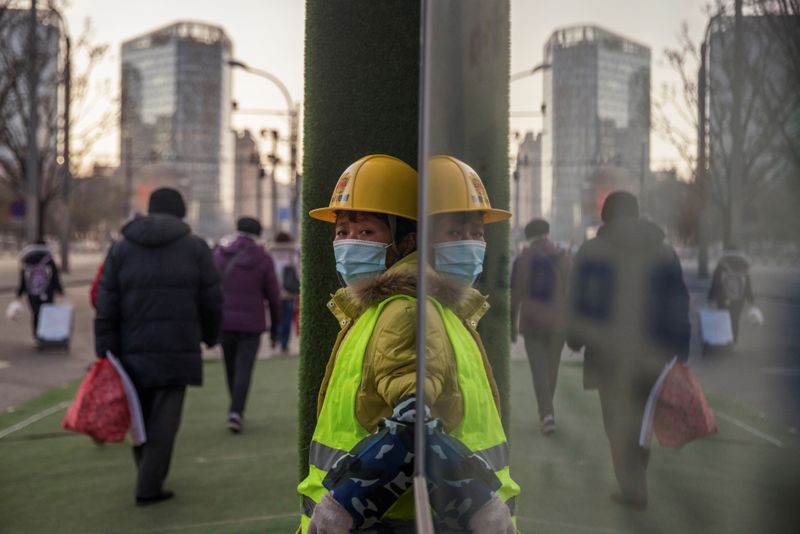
(356, 259)
(462, 260)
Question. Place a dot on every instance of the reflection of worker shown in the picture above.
(730, 286)
(366, 404)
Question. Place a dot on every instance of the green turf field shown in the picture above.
(58, 482)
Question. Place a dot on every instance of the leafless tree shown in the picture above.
(50, 61)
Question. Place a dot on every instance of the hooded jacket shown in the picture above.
(628, 304)
(389, 370)
(538, 288)
(32, 255)
(248, 282)
(159, 298)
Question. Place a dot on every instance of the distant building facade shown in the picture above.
(176, 120)
(247, 177)
(527, 195)
(597, 124)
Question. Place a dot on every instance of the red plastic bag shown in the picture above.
(682, 413)
(100, 408)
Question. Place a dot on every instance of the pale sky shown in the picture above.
(268, 34)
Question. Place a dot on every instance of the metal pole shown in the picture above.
(737, 136)
(67, 175)
(424, 521)
(642, 174)
(34, 232)
(293, 127)
(700, 174)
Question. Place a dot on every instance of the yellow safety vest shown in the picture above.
(338, 430)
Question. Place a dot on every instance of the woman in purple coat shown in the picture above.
(248, 279)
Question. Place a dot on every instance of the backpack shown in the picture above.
(291, 282)
(733, 284)
(542, 278)
(37, 277)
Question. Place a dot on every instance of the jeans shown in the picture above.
(285, 326)
(240, 350)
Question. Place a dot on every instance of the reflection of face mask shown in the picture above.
(462, 260)
(356, 259)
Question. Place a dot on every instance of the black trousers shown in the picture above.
(240, 350)
(544, 358)
(161, 409)
(623, 408)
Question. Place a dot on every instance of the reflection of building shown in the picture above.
(176, 95)
(597, 123)
(527, 196)
(246, 177)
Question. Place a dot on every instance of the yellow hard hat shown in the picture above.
(453, 186)
(377, 184)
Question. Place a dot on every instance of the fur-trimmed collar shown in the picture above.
(401, 279)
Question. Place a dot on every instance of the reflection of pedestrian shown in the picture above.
(248, 279)
(287, 267)
(159, 299)
(730, 287)
(38, 278)
(538, 287)
(629, 308)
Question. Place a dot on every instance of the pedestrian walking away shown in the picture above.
(629, 307)
(286, 256)
(159, 299)
(538, 297)
(731, 288)
(38, 279)
(248, 282)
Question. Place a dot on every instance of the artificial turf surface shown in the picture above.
(56, 481)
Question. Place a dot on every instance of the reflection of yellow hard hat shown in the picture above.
(453, 186)
(377, 184)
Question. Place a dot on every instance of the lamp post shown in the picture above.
(66, 175)
(292, 110)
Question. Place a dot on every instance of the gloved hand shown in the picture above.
(330, 518)
(494, 517)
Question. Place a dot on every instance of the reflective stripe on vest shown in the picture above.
(338, 429)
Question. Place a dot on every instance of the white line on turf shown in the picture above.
(766, 437)
(32, 419)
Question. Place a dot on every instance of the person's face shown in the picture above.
(457, 227)
(362, 226)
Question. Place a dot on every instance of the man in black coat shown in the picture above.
(630, 308)
(159, 299)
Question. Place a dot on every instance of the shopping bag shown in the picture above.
(138, 435)
(100, 408)
(755, 316)
(14, 310)
(682, 412)
(646, 431)
(715, 327)
(55, 322)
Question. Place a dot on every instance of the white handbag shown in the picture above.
(14, 310)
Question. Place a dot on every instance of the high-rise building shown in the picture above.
(526, 193)
(176, 120)
(597, 124)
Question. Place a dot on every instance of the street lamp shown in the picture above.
(293, 126)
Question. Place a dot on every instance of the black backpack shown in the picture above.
(291, 281)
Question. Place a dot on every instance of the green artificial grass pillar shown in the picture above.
(469, 120)
(361, 97)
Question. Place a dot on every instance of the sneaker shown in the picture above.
(235, 423)
(548, 425)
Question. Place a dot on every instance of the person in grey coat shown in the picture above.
(159, 299)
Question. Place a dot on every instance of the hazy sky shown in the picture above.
(268, 34)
